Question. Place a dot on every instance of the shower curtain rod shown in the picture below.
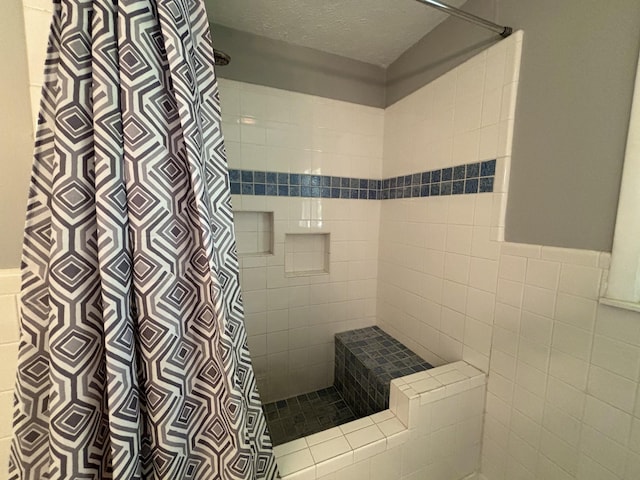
(494, 27)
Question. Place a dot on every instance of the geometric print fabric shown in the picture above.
(133, 360)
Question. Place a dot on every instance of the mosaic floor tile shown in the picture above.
(306, 414)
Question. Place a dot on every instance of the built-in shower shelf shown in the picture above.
(254, 233)
(306, 254)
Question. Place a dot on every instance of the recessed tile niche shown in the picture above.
(306, 253)
(254, 232)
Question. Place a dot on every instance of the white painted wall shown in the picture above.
(16, 135)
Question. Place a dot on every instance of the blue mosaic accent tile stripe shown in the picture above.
(458, 180)
(249, 182)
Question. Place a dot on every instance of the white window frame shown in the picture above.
(623, 287)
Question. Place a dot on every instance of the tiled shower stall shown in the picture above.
(398, 196)
(432, 271)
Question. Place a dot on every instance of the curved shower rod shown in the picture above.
(494, 27)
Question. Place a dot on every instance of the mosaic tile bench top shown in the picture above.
(366, 360)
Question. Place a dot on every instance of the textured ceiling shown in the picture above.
(372, 31)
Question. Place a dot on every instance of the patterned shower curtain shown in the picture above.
(133, 361)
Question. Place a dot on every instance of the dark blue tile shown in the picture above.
(486, 185)
(473, 170)
(459, 172)
(488, 168)
(283, 179)
(405, 186)
(471, 185)
(247, 176)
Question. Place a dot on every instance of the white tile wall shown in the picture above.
(438, 298)
(439, 273)
(576, 377)
(9, 288)
(464, 116)
(270, 129)
(291, 319)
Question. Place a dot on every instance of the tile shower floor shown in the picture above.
(306, 414)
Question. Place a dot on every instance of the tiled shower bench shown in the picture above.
(366, 360)
(432, 430)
